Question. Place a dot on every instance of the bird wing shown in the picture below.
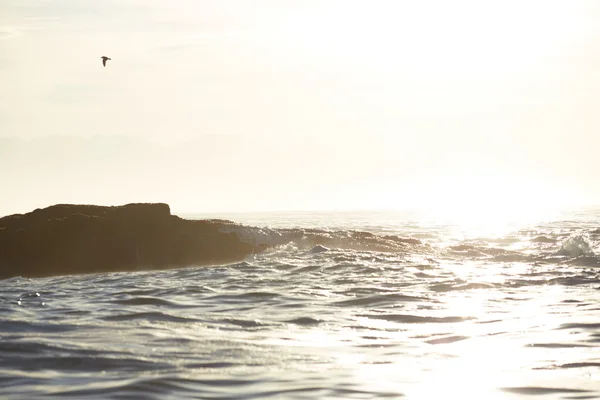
(104, 61)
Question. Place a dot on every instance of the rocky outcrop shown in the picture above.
(73, 239)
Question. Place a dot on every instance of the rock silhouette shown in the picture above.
(73, 239)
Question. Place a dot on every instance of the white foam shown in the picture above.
(576, 246)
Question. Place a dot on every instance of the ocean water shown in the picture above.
(343, 305)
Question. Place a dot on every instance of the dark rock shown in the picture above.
(71, 239)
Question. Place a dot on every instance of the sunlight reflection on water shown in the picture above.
(468, 360)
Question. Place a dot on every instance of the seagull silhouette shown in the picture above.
(104, 59)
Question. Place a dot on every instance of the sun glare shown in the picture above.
(484, 203)
(465, 40)
(468, 60)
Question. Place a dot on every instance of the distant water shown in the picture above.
(346, 305)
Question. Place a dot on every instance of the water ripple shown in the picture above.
(446, 316)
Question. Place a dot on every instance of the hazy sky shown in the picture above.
(238, 105)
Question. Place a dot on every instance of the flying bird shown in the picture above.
(104, 59)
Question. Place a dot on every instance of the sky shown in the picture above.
(236, 105)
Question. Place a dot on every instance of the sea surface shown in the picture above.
(345, 305)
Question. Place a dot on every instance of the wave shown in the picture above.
(150, 301)
(321, 240)
(415, 319)
(380, 299)
(576, 249)
(536, 391)
(576, 246)
(149, 317)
